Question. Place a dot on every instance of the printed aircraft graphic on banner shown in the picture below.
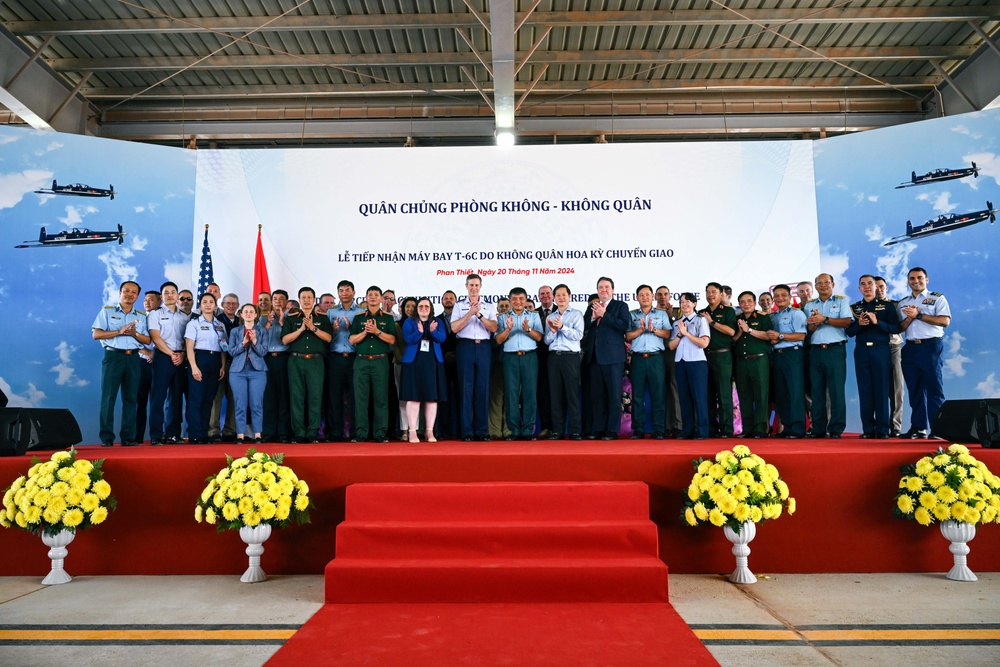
(944, 223)
(74, 236)
(78, 190)
(938, 176)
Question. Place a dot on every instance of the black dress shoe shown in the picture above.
(575, 436)
(834, 436)
(638, 436)
(609, 437)
(591, 436)
(465, 438)
(530, 438)
(354, 440)
(258, 441)
(107, 444)
(881, 436)
(815, 436)
(484, 438)
(894, 433)
(698, 437)
(509, 438)
(913, 435)
(723, 436)
(758, 436)
(286, 440)
(867, 436)
(554, 436)
(382, 440)
(239, 441)
(792, 436)
(128, 443)
(658, 436)
(215, 440)
(156, 441)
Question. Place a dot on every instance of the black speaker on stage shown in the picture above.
(969, 421)
(27, 429)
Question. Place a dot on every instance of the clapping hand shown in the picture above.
(525, 324)
(434, 326)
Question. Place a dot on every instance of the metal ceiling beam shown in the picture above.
(807, 86)
(624, 56)
(504, 61)
(37, 95)
(465, 20)
(294, 130)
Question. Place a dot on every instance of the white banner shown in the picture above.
(419, 220)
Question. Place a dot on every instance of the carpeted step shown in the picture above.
(498, 539)
(366, 580)
(497, 501)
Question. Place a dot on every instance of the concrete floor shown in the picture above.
(917, 620)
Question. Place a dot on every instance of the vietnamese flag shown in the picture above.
(260, 280)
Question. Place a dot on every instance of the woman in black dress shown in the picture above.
(423, 367)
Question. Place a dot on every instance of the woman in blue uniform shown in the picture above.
(423, 379)
(206, 344)
(248, 371)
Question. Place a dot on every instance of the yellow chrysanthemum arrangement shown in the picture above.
(63, 493)
(252, 490)
(948, 485)
(736, 487)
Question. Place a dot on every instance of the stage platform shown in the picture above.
(844, 489)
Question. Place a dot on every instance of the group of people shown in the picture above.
(332, 369)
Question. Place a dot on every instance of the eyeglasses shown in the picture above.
(186, 298)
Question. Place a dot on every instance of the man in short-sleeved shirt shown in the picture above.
(473, 320)
(923, 317)
(827, 318)
(122, 332)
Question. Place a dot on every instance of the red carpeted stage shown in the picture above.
(844, 489)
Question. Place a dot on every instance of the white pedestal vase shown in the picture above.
(255, 538)
(958, 533)
(742, 573)
(57, 552)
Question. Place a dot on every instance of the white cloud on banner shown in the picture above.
(836, 264)
(119, 270)
(179, 271)
(990, 387)
(874, 233)
(32, 398)
(14, 186)
(64, 370)
(138, 243)
(75, 214)
(940, 201)
(893, 266)
(962, 129)
(954, 360)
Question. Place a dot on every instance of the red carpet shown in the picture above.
(497, 542)
(518, 635)
(844, 489)
(544, 573)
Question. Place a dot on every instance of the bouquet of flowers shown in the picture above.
(736, 487)
(948, 485)
(63, 493)
(253, 490)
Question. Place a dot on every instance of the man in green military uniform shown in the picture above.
(122, 332)
(751, 351)
(372, 335)
(722, 324)
(307, 335)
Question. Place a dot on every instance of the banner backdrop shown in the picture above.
(420, 220)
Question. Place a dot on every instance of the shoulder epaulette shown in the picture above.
(141, 312)
(111, 307)
(936, 294)
(839, 296)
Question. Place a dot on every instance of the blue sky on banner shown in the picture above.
(860, 208)
(53, 362)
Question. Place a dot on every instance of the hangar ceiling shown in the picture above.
(453, 72)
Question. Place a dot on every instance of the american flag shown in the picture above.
(206, 276)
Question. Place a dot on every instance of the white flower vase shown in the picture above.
(255, 538)
(57, 552)
(742, 573)
(958, 533)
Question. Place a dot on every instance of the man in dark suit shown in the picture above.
(605, 324)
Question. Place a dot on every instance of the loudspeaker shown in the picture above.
(3, 399)
(969, 421)
(28, 429)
